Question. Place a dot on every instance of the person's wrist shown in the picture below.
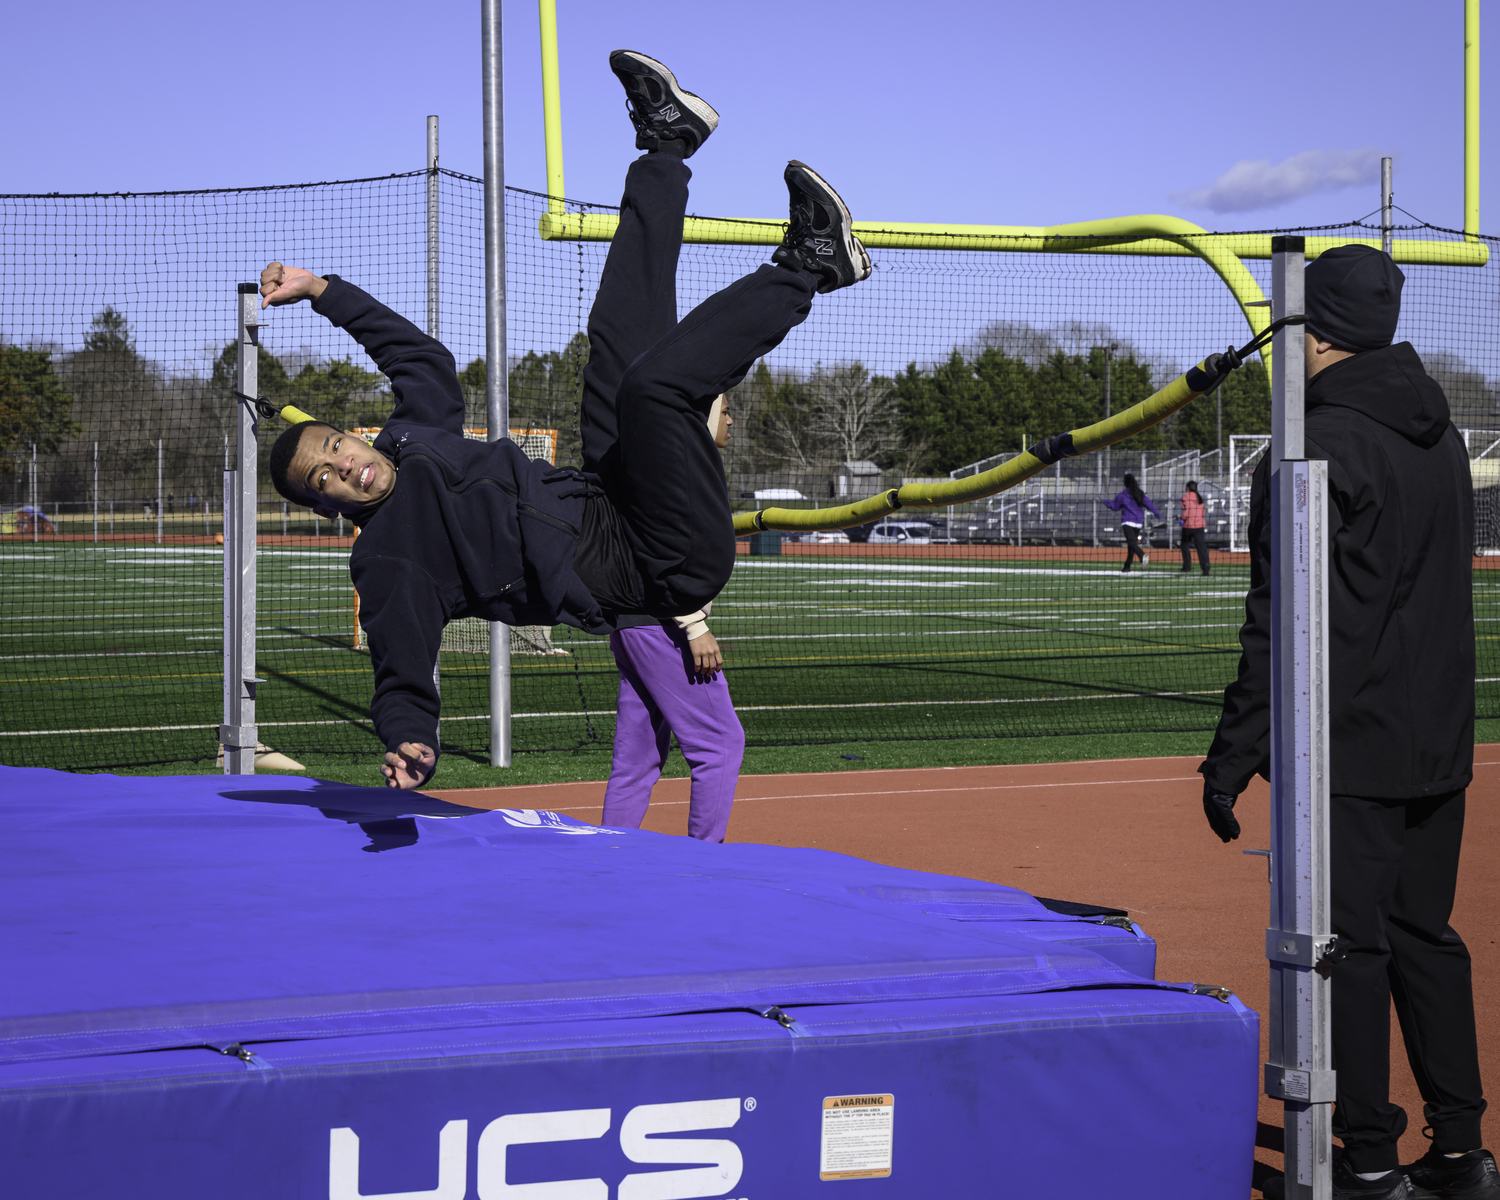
(317, 287)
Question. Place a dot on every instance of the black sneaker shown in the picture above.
(1434, 1176)
(1348, 1186)
(660, 108)
(819, 238)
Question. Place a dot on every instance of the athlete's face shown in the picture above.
(340, 472)
(726, 423)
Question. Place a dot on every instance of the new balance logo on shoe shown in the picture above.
(823, 246)
(670, 113)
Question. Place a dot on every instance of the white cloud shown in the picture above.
(1252, 184)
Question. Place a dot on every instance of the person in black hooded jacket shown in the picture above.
(452, 527)
(1401, 676)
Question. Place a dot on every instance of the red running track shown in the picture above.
(1126, 832)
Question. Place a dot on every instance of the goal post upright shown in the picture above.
(1150, 234)
(1471, 118)
(238, 734)
(1300, 1070)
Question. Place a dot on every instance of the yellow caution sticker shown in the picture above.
(858, 1134)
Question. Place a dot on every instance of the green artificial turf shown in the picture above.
(835, 664)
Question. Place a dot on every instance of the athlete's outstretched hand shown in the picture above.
(707, 660)
(287, 285)
(410, 766)
(1219, 809)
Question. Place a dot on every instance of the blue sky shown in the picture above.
(1234, 117)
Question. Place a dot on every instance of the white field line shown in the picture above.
(609, 712)
(999, 787)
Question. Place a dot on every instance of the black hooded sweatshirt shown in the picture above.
(470, 529)
(1400, 602)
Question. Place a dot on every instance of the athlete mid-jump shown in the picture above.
(452, 527)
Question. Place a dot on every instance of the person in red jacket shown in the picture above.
(1194, 524)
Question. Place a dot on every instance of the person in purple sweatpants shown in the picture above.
(662, 693)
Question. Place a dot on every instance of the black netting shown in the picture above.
(1008, 617)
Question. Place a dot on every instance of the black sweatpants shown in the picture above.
(1132, 545)
(1394, 870)
(1195, 538)
(651, 380)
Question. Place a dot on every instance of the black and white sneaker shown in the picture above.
(660, 108)
(1470, 1177)
(1393, 1185)
(820, 238)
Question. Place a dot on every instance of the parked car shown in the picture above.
(1216, 512)
(910, 533)
(826, 537)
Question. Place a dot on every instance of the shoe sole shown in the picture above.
(1481, 1190)
(801, 174)
(644, 63)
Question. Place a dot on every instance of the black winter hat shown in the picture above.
(1353, 297)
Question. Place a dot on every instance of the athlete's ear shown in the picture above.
(326, 513)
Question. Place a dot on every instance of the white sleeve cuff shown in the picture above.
(694, 624)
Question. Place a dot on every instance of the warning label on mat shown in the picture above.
(858, 1132)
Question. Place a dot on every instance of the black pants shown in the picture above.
(651, 380)
(1200, 540)
(1395, 866)
(1132, 545)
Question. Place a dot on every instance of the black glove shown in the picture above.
(1219, 809)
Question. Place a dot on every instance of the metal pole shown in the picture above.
(1109, 353)
(1219, 417)
(1385, 205)
(432, 228)
(158, 487)
(433, 277)
(239, 734)
(35, 507)
(96, 493)
(1299, 1072)
(496, 399)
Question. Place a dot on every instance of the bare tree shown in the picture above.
(855, 415)
(1472, 399)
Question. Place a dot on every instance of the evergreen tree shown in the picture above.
(109, 332)
(545, 391)
(35, 408)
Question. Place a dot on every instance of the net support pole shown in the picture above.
(36, 508)
(96, 493)
(1386, 197)
(239, 734)
(496, 379)
(434, 277)
(158, 487)
(1299, 1072)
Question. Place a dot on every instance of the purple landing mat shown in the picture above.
(405, 993)
(1042, 1096)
